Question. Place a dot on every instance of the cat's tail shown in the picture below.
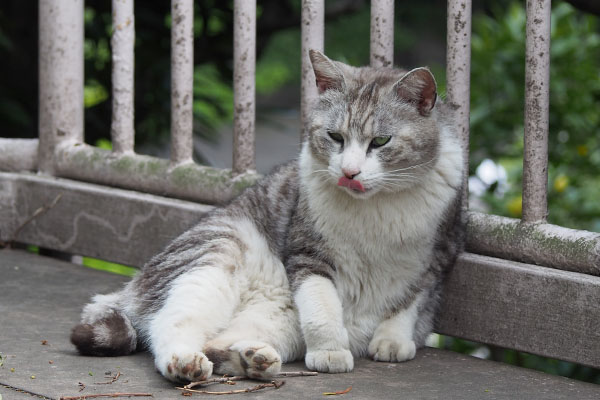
(105, 329)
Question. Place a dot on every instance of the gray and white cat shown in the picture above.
(334, 256)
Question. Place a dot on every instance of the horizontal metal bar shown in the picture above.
(313, 33)
(182, 80)
(382, 33)
(537, 105)
(244, 98)
(542, 244)
(149, 174)
(122, 127)
(18, 154)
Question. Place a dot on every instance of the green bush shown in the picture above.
(497, 90)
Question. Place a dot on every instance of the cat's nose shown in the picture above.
(350, 173)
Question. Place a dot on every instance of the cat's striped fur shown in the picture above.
(337, 255)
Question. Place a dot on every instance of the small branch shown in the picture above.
(296, 373)
(273, 384)
(95, 396)
(36, 213)
(225, 379)
(231, 379)
(113, 379)
(338, 392)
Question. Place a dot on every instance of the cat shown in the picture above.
(336, 255)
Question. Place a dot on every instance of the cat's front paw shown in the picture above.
(188, 368)
(332, 361)
(392, 350)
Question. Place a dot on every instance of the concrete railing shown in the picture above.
(61, 151)
(488, 297)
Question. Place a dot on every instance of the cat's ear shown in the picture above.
(418, 87)
(327, 74)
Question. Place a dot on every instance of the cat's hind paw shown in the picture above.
(392, 350)
(259, 360)
(188, 368)
(332, 361)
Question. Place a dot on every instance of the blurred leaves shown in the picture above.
(94, 93)
(497, 104)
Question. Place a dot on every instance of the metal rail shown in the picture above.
(122, 129)
(182, 80)
(382, 33)
(458, 75)
(61, 77)
(244, 70)
(537, 104)
(313, 33)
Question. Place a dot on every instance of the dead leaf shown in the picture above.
(338, 392)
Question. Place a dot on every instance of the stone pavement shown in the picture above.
(40, 299)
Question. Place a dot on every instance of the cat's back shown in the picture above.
(270, 204)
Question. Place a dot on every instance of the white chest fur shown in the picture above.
(380, 245)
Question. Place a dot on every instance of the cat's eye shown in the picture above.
(380, 141)
(336, 136)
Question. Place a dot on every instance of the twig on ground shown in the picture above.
(296, 373)
(230, 379)
(338, 392)
(274, 384)
(113, 379)
(225, 379)
(113, 395)
(81, 386)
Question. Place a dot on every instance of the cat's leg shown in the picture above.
(322, 322)
(394, 338)
(260, 337)
(198, 305)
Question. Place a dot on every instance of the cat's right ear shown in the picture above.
(327, 75)
(418, 87)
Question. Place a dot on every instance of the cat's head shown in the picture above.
(373, 129)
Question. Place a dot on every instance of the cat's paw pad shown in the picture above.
(332, 361)
(392, 350)
(190, 368)
(259, 360)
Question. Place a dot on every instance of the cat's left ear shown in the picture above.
(327, 74)
(418, 87)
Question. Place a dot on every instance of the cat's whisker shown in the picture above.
(412, 166)
(395, 173)
(399, 178)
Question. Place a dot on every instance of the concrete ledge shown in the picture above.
(40, 299)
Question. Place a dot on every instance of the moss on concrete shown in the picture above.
(534, 242)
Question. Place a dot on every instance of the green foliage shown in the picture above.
(94, 93)
(497, 89)
(104, 144)
(213, 98)
(109, 266)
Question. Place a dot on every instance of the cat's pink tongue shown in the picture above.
(351, 184)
